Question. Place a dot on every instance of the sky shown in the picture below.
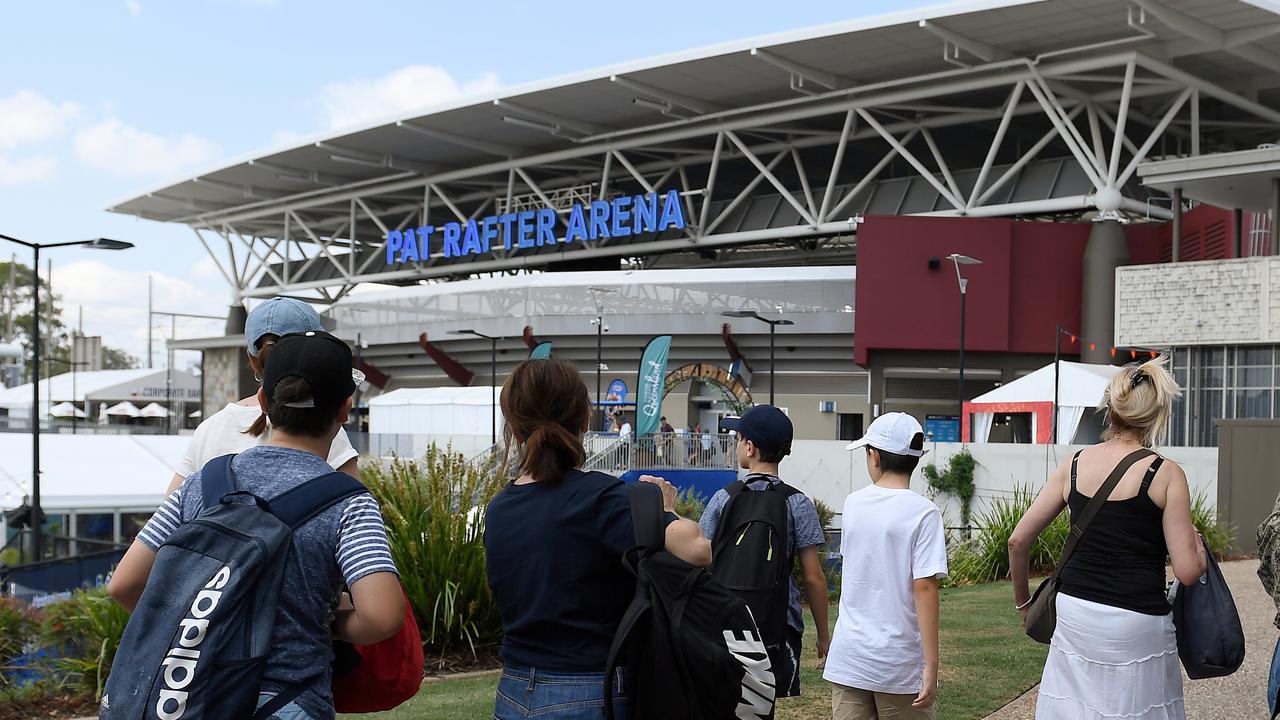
(103, 100)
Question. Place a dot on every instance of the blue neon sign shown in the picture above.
(619, 217)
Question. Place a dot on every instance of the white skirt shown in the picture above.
(1105, 662)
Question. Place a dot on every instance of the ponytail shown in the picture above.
(1139, 400)
(258, 365)
(546, 409)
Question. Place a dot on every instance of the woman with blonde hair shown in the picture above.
(1114, 652)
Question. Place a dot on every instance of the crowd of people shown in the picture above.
(557, 542)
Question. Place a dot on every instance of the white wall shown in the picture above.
(1216, 302)
(824, 470)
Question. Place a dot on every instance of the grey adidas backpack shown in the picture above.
(196, 645)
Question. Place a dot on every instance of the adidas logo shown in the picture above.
(106, 704)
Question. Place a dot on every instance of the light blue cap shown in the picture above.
(279, 316)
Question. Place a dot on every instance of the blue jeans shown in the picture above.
(290, 711)
(1273, 685)
(530, 693)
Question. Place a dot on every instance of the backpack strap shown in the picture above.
(298, 505)
(640, 607)
(647, 516)
(279, 700)
(735, 488)
(1096, 502)
(1075, 460)
(216, 480)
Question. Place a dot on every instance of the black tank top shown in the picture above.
(1120, 559)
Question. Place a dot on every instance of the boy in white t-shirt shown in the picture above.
(883, 660)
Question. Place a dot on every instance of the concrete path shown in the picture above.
(1241, 696)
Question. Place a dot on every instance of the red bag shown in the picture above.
(388, 673)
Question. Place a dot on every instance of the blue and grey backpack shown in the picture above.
(196, 645)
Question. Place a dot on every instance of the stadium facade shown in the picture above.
(1042, 138)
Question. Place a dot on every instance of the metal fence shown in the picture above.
(22, 424)
(608, 452)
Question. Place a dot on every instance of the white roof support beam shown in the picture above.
(361, 157)
(850, 122)
(711, 182)
(1121, 117)
(906, 154)
(1151, 139)
(773, 179)
(247, 191)
(1212, 90)
(483, 146)
(1064, 127)
(831, 81)
(323, 246)
(555, 121)
(1026, 158)
(1212, 36)
(941, 161)
(871, 175)
(1003, 128)
(744, 193)
(217, 262)
(444, 198)
(634, 173)
(980, 50)
(701, 107)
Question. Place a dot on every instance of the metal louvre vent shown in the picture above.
(934, 388)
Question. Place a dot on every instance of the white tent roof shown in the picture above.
(90, 471)
(154, 410)
(105, 385)
(1079, 385)
(66, 409)
(482, 395)
(125, 408)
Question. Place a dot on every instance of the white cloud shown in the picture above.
(415, 86)
(28, 117)
(24, 171)
(135, 7)
(114, 147)
(206, 268)
(115, 305)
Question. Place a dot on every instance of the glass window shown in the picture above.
(1253, 356)
(131, 524)
(1253, 403)
(95, 526)
(56, 529)
(1253, 377)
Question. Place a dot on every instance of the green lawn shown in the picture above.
(986, 662)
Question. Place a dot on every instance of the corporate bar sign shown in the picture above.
(620, 217)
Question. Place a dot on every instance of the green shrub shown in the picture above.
(10, 556)
(19, 630)
(825, 514)
(1218, 534)
(690, 504)
(985, 558)
(957, 479)
(434, 513)
(85, 630)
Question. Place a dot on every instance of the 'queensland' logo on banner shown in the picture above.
(620, 217)
(653, 369)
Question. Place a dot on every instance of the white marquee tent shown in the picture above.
(1080, 388)
(462, 416)
(99, 387)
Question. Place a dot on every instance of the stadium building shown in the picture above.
(1082, 150)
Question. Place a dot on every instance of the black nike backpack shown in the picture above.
(691, 646)
(750, 557)
(197, 643)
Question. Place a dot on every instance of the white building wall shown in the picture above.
(1218, 302)
(826, 471)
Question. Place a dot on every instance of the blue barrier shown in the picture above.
(703, 482)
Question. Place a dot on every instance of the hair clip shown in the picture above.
(1139, 377)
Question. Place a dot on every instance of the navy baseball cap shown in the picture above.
(320, 359)
(765, 426)
(279, 316)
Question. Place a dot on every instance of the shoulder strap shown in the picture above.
(298, 505)
(1095, 504)
(735, 488)
(216, 480)
(646, 516)
(1075, 459)
(639, 608)
(1151, 475)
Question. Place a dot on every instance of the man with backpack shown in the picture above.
(234, 583)
(758, 527)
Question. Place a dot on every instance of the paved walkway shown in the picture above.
(1241, 696)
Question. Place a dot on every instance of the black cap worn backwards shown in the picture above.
(767, 427)
(320, 359)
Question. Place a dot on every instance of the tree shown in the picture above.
(16, 321)
(117, 359)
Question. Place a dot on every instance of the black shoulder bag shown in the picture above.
(1042, 614)
(1210, 637)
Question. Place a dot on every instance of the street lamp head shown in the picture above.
(467, 331)
(740, 313)
(108, 244)
(783, 322)
(963, 259)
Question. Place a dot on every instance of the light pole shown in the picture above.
(957, 259)
(598, 321)
(773, 326)
(36, 519)
(493, 378)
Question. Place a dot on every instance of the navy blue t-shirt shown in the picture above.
(554, 561)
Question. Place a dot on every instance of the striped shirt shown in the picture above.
(342, 544)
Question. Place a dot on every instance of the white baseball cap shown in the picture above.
(895, 432)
